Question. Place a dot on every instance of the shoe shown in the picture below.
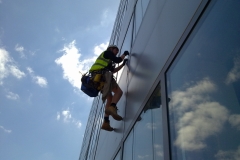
(113, 112)
(106, 126)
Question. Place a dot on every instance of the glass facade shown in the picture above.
(146, 139)
(128, 147)
(203, 84)
(127, 44)
(140, 10)
(91, 137)
(118, 24)
(192, 111)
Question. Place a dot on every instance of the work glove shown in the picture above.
(125, 61)
(126, 53)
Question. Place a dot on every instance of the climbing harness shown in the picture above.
(98, 79)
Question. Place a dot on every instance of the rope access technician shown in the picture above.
(105, 64)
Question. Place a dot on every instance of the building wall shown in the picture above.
(181, 85)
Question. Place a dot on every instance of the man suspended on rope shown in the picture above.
(105, 64)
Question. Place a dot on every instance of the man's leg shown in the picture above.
(117, 94)
(106, 123)
(108, 103)
(112, 109)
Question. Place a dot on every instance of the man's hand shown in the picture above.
(126, 53)
(125, 61)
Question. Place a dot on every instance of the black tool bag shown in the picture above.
(88, 86)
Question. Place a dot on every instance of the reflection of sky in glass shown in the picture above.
(148, 130)
(204, 88)
(146, 139)
(128, 147)
(143, 137)
(139, 13)
(126, 47)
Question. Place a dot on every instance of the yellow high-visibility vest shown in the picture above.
(100, 63)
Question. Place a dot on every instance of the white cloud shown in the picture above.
(58, 116)
(66, 116)
(16, 72)
(41, 81)
(20, 49)
(72, 64)
(197, 116)
(234, 120)
(234, 74)
(107, 18)
(77, 123)
(7, 66)
(100, 48)
(5, 130)
(227, 155)
(30, 70)
(12, 96)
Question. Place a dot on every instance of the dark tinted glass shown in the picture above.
(204, 88)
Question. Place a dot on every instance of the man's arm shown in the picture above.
(112, 57)
(120, 67)
(126, 53)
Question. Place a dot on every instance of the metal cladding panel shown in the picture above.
(160, 31)
(110, 141)
(147, 63)
(106, 145)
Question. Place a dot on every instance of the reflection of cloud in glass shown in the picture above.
(151, 126)
(225, 155)
(143, 157)
(234, 74)
(159, 150)
(199, 117)
(192, 95)
(234, 120)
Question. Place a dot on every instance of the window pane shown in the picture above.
(127, 44)
(157, 127)
(148, 138)
(143, 146)
(144, 5)
(204, 88)
(138, 16)
(128, 147)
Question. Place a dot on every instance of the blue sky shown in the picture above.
(43, 46)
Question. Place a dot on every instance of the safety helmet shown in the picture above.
(112, 46)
